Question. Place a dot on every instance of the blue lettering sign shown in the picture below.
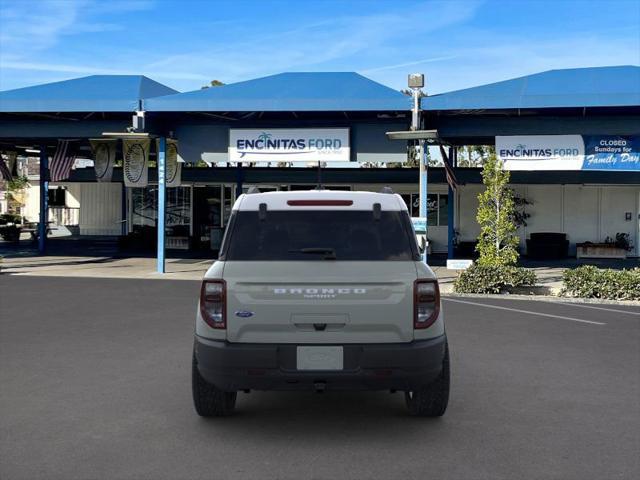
(611, 152)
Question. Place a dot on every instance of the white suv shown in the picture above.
(320, 290)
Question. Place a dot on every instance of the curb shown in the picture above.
(536, 290)
(544, 298)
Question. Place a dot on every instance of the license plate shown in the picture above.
(320, 358)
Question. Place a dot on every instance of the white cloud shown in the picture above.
(408, 64)
(30, 27)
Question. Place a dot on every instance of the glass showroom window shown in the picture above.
(437, 212)
(144, 207)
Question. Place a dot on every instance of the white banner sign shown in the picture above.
(104, 157)
(289, 145)
(541, 152)
(136, 162)
(459, 264)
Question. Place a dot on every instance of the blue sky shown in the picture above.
(184, 44)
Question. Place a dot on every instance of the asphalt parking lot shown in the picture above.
(95, 384)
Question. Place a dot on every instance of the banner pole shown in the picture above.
(453, 154)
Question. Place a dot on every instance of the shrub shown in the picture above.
(493, 279)
(592, 282)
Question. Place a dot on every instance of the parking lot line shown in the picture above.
(598, 308)
(525, 311)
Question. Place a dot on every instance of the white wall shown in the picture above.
(466, 209)
(31, 209)
(73, 195)
(583, 212)
(581, 215)
(615, 202)
(100, 208)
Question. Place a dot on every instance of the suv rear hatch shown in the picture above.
(322, 276)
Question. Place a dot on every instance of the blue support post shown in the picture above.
(451, 208)
(239, 179)
(162, 191)
(44, 200)
(423, 191)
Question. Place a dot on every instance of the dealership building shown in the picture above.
(570, 137)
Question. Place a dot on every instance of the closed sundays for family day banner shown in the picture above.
(569, 152)
(289, 145)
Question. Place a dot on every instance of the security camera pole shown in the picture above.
(416, 83)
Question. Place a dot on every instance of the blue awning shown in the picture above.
(288, 92)
(96, 93)
(569, 88)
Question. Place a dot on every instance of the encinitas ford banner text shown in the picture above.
(569, 152)
(289, 145)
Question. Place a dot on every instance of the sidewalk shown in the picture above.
(104, 267)
(182, 269)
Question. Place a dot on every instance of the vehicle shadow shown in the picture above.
(321, 417)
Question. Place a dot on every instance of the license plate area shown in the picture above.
(320, 358)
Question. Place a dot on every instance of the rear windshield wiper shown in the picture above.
(330, 253)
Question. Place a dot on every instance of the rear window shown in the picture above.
(320, 235)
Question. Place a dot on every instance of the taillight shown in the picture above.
(426, 303)
(213, 295)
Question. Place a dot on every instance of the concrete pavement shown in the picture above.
(95, 384)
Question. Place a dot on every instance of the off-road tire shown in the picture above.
(431, 400)
(209, 400)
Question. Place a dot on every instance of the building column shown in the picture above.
(453, 157)
(162, 207)
(44, 200)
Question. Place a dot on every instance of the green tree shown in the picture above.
(497, 242)
(213, 83)
(474, 155)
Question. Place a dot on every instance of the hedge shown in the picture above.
(588, 281)
(493, 279)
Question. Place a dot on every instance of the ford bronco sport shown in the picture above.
(320, 290)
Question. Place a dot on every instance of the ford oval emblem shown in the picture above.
(244, 314)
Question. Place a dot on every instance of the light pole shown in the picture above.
(416, 83)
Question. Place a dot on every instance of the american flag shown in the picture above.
(5, 172)
(62, 161)
(448, 170)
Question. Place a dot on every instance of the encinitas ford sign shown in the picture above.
(541, 152)
(289, 145)
(569, 152)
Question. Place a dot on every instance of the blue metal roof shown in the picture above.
(288, 92)
(576, 87)
(96, 93)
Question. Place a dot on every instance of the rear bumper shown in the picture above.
(393, 366)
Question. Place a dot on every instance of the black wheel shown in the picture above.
(431, 400)
(209, 400)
